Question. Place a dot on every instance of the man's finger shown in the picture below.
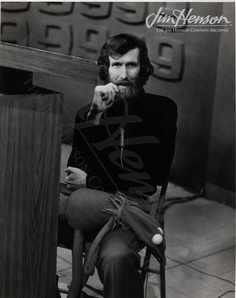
(68, 185)
(103, 96)
(69, 170)
(115, 87)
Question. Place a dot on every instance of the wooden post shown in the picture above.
(29, 190)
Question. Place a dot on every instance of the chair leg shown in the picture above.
(163, 280)
(145, 266)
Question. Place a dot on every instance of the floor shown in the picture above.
(200, 237)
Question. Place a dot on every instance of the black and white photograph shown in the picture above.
(117, 149)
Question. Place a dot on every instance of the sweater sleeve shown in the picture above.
(84, 155)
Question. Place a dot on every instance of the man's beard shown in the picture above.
(131, 91)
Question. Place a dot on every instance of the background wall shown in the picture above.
(196, 69)
(221, 155)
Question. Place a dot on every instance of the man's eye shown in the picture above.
(131, 65)
(116, 65)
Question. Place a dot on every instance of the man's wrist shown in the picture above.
(95, 117)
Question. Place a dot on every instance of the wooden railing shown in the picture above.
(45, 62)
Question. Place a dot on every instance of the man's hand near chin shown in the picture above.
(75, 178)
(103, 99)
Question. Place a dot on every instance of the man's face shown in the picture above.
(124, 72)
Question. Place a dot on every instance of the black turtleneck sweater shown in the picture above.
(131, 149)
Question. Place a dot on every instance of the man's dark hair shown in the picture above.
(121, 44)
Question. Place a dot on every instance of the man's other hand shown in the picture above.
(75, 178)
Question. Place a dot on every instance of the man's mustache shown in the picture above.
(125, 82)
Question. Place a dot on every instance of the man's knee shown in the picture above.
(117, 256)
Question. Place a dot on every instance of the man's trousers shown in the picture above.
(118, 261)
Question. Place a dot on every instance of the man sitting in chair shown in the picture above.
(123, 141)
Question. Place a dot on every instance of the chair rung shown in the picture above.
(95, 290)
(153, 271)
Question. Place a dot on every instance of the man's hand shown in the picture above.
(103, 99)
(75, 178)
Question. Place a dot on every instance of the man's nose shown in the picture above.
(124, 73)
